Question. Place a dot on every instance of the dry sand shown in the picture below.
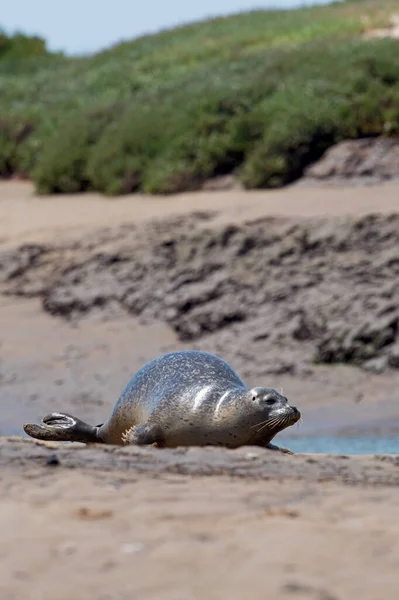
(198, 524)
(26, 218)
(122, 524)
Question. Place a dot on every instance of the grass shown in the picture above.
(260, 95)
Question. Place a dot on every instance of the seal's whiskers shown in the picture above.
(269, 422)
(274, 423)
(261, 423)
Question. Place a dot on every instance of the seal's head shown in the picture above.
(274, 410)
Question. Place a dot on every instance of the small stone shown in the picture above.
(251, 455)
(66, 549)
(376, 365)
(53, 460)
(133, 548)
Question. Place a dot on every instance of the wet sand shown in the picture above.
(125, 523)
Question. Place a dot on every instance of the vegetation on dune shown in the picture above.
(260, 95)
(21, 46)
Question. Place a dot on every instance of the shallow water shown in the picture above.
(344, 445)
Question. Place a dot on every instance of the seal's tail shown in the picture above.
(60, 427)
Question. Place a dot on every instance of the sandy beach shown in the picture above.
(110, 523)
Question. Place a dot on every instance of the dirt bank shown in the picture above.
(273, 296)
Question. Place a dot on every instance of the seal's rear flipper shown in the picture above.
(60, 427)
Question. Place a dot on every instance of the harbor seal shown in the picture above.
(185, 398)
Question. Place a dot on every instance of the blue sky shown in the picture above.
(79, 26)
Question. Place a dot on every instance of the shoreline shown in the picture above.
(246, 462)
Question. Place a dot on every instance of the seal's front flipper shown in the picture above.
(278, 449)
(61, 427)
(145, 434)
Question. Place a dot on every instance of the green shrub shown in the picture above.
(117, 162)
(266, 126)
(156, 148)
(212, 143)
(19, 46)
(63, 163)
(14, 134)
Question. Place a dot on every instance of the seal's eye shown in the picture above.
(254, 397)
(271, 401)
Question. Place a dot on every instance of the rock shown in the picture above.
(393, 356)
(364, 160)
(358, 344)
(376, 365)
(377, 333)
(392, 31)
(305, 328)
(14, 264)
